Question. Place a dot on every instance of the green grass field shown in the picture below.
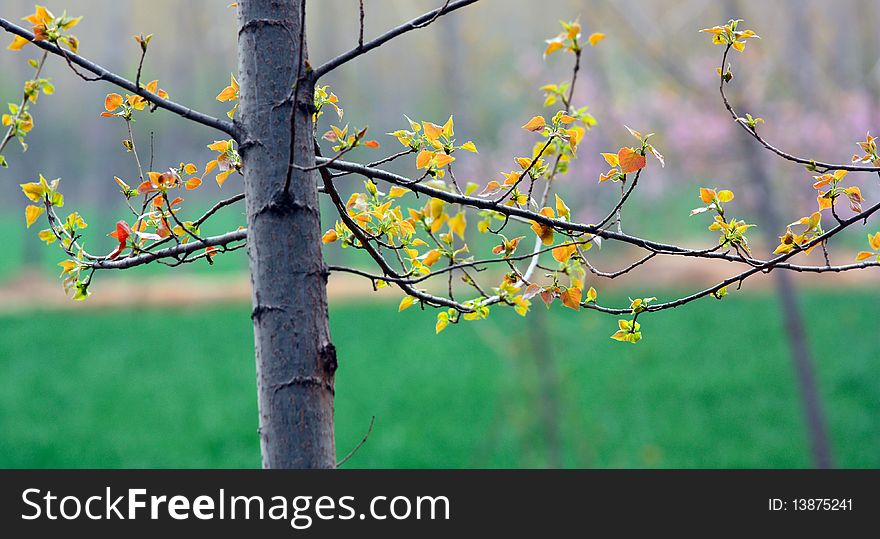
(709, 386)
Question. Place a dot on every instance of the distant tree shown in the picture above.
(411, 229)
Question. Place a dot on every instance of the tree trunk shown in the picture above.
(295, 359)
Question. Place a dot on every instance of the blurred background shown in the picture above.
(156, 369)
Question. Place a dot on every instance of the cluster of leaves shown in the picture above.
(869, 147)
(630, 330)
(569, 39)
(435, 145)
(19, 120)
(874, 242)
(829, 190)
(729, 36)
(628, 159)
(426, 238)
(810, 228)
(48, 27)
(733, 231)
(47, 197)
(230, 93)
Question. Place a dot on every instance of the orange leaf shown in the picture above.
(535, 124)
(552, 46)
(563, 252)
(442, 159)
(424, 158)
(571, 298)
(112, 102)
(432, 131)
(221, 178)
(630, 160)
(431, 258)
(707, 195)
(330, 236)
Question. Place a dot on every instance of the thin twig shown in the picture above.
(364, 439)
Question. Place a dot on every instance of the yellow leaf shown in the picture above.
(47, 235)
(458, 224)
(406, 303)
(863, 255)
(442, 322)
(34, 190)
(611, 159)
(190, 168)
(469, 147)
(725, 195)
(193, 183)
(595, 38)
(535, 124)
(592, 294)
(397, 191)
(448, 128)
(438, 222)
(874, 241)
(782, 248)
(562, 209)
(218, 146)
(739, 45)
(31, 213)
(68, 266)
(17, 43)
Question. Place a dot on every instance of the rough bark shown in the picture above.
(295, 359)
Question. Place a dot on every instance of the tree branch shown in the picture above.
(418, 22)
(170, 252)
(105, 75)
